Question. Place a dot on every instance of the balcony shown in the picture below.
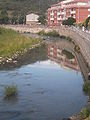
(51, 18)
(64, 18)
(51, 53)
(51, 49)
(58, 13)
(63, 13)
(59, 18)
(52, 13)
(73, 12)
(59, 51)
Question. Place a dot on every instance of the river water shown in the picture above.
(47, 90)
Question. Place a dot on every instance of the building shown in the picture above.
(78, 9)
(32, 19)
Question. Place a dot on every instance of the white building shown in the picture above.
(32, 18)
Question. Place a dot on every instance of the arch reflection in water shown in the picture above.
(65, 58)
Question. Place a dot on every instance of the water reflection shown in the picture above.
(62, 52)
(65, 58)
(46, 91)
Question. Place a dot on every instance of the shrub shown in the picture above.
(70, 21)
(53, 33)
(85, 113)
(42, 32)
(10, 91)
(86, 88)
(77, 48)
(69, 39)
(63, 36)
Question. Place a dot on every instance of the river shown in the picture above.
(48, 88)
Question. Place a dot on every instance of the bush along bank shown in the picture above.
(12, 45)
(52, 33)
(85, 112)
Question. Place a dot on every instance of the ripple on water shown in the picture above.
(9, 115)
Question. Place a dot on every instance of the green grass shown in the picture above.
(12, 42)
(10, 91)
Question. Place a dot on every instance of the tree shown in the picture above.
(70, 21)
(64, 22)
(21, 19)
(4, 17)
(42, 19)
(14, 20)
(89, 24)
(14, 17)
(86, 22)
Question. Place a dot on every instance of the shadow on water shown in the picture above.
(11, 100)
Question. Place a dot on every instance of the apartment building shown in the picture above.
(78, 9)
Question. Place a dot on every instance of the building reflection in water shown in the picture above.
(63, 57)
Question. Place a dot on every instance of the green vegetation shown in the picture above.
(69, 38)
(77, 48)
(53, 33)
(42, 19)
(86, 23)
(17, 15)
(85, 113)
(86, 88)
(42, 32)
(12, 42)
(10, 91)
(89, 24)
(4, 17)
(63, 37)
(70, 21)
(68, 54)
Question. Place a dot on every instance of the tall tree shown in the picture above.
(70, 21)
(42, 19)
(4, 17)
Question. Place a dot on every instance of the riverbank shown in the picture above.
(13, 45)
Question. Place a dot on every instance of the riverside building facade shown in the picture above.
(78, 9)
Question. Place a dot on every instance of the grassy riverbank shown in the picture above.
(12, 42)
